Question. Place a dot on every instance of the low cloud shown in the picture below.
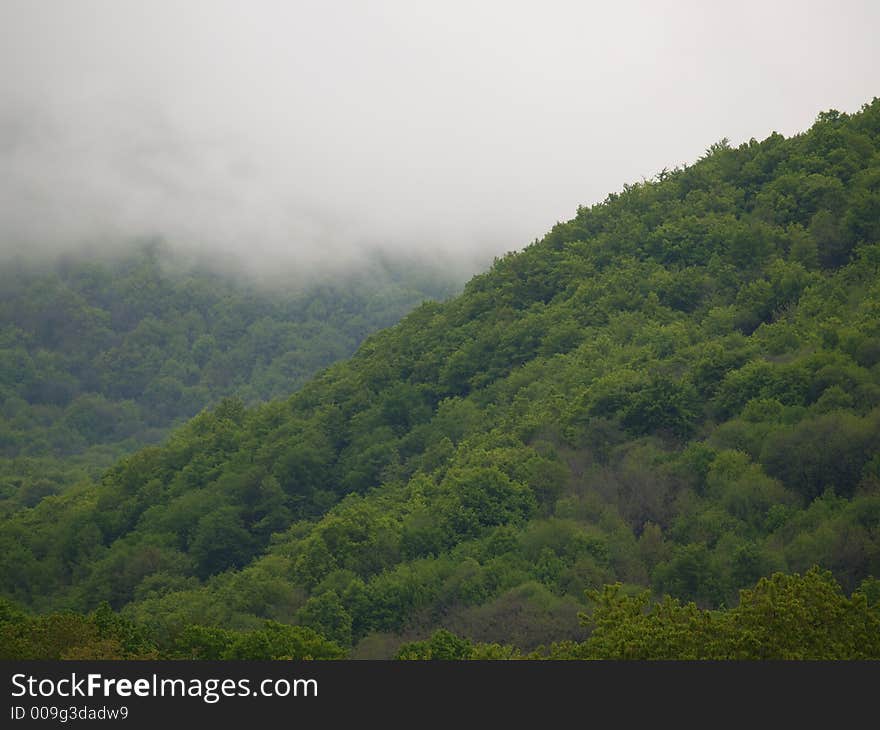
(300, 135)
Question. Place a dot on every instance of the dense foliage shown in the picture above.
(101, 356)
(678, 389)
(104, 634)
(784, 617)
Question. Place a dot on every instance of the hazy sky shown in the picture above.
(306, 131)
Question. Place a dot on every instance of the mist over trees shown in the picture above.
(676, 394)
(101, 354)
(296, 135)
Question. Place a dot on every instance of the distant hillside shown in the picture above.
(101, 356)
(677, 389)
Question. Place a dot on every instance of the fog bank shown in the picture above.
(298, 135)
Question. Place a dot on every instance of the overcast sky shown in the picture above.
(304, 132)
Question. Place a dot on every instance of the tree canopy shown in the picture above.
(675, 393)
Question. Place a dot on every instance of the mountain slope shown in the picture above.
(679, 388)
(100, 356)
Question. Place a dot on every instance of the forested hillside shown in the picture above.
(102, 355)
(677, 390)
